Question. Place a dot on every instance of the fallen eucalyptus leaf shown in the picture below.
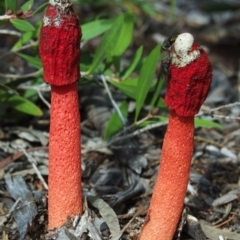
(107, 213)
(214, 233)
(27, 210)
(226, 198)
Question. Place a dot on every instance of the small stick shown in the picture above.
(17, 155)
(225, 222)
(32, 161)
(10, 212)
(112, 100)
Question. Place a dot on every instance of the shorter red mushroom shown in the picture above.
(189, 80)
(60, 53)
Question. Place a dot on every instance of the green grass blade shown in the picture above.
(133, 64)
(146, 76)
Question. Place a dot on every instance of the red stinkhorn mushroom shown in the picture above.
(60, 53)
(190, 75)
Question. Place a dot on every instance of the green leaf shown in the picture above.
(95, 28)
(34, 61)
(13, 100)
(116, 62)
(26, 36)
(115, 124)
(173, 8)
(134, 63)
(146, 76)
(154, 120)
(156, 94)
(107, 43)
(161, 118)
(23, 39)
(27, 5)
(11, 4)
(128, 86)
(7, 88)
(147, 8)
(41, 8)
(32, 94)
(199, 122)
(22, 25)
(161, 104)
(38, 26)
(124, 35)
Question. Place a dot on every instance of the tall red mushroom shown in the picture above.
(60, 53)
(189, 80)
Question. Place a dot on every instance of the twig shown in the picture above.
(43, 99)
(14, 157)
(103, 78)
(225, 106)
(225, 117)
(10, 32)
(6, 17)
(32, 161)
(10, 212)
(138, 132)
(149, 116)
(211, 111)
(140, 211)
(16, 76)
(42, 87)
(225, 222)
(31, 44)
(39, 89)
(209, 141)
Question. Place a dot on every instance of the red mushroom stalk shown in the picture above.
(190, 75)
(60, 53)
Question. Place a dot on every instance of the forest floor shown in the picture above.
(122, 178)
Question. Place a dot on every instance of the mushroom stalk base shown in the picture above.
(171, 185)
(65, 197)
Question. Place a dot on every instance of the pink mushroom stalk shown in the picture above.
(189, 80)
(60, 53)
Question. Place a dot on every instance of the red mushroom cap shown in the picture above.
(190, 76)
(59, 50)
